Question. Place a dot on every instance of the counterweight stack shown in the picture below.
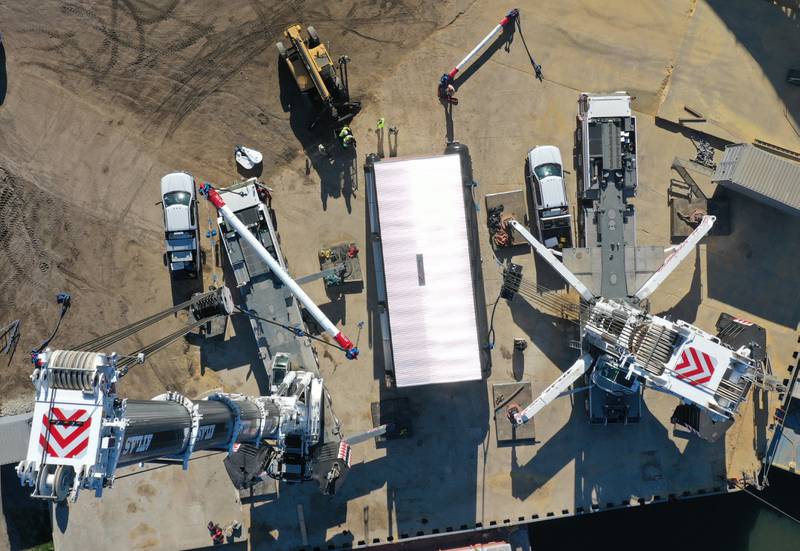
(83, 432)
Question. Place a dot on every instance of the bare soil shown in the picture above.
(106, 97)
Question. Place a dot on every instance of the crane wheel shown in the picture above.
(281, 49)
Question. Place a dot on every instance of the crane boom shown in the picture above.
(553, 391)
(677, 256)
(83, 432)
(509, 18)
(230, 218)
(547, 255)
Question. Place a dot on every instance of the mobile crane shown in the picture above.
(83, 431)
(626, 347)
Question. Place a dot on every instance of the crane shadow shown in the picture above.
(686, 308)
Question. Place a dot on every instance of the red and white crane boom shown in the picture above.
(447, 78)
(231, 219)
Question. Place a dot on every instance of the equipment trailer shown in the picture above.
(253, 249)
(263, 294)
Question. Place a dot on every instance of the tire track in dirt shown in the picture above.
(224, 54)
(20, 246)
(112, 50)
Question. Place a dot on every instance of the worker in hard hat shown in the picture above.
(346, 137)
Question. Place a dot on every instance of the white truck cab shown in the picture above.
(179, 201)
(546, 179)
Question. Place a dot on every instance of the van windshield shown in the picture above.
(549, 169)
(177, 198)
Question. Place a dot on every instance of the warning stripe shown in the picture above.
(344, 452)
(65, 436)
(696, 367)
(65, 440)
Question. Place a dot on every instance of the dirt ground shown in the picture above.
(103, 99)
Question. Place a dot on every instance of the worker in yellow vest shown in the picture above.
(346, 137)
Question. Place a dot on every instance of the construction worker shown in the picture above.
(381, 123)
(217, 537)
(447, 90)
(346, 137)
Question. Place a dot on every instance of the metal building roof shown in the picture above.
(427, 270)
(761, 175)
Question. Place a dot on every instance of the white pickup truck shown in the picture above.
(546, 178)
(178, 198)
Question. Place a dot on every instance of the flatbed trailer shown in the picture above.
(262, 293)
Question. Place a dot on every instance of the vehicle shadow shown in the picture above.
(335, 166)
(183, 287)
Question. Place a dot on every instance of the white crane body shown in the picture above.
(82, 432)
(669, 356)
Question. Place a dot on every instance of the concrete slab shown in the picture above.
(503, 395)
(185, 500)
(513, 203)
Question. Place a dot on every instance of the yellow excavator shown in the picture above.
(314, 71)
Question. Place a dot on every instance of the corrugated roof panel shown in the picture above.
(764, 174)
(427, 269)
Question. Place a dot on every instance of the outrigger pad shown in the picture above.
(503, 395)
